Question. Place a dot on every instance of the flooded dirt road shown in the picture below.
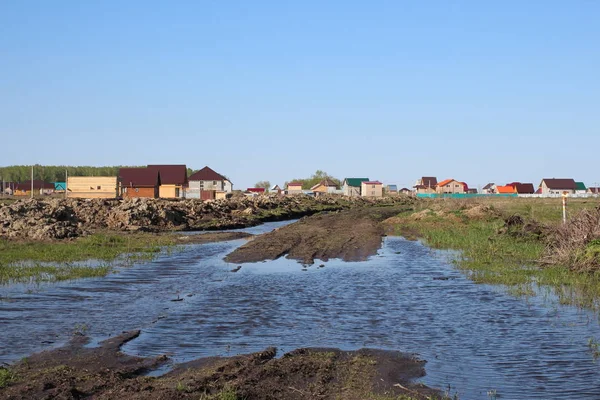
(476, 338)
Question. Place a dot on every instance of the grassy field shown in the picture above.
(85, 257)
(491, 254)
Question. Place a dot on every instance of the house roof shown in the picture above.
(506, 189)
(325, 182)
(488, 186)
(372, 183)
(355, 182)
(139, 177)
(594, 189)
(171, 174)
(392, 188)
(207, 174)
(276, 187)
(429, 181)
(405, 190)
(295, 184)
(256, 190)
(60, 186)
(37, 184)
(446, 181)
(580, 186)
(559, 184)
(523, 188)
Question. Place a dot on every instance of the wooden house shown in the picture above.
(352, 186)
(294, 188)
(139, 182)
(206, 183)
(173, 180)
(371, 189)
(324, 187)
(92, 187)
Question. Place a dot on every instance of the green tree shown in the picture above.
(263, 184)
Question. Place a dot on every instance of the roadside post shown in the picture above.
(565, 194)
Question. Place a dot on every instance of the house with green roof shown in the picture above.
(580, 187)
(351, 186)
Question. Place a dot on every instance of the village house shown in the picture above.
(7, 188)
(406, 191)
(557, 186)
(352, 186)
(580, 188)
(451, 186)
(593, 190)
(139, 182)
(294, 188)
(391, 189)
(490, 188)
(207, 184)
(427, 184)
(173, 180)
(506, 189)
(371, 189)
(324, 187)
(92, 187)
(256, 191)
(39, 187)
(277, 189)
(522, 188)
(60, 187)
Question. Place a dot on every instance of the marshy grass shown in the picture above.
(489, 257)
(86, 257)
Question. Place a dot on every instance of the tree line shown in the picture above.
(57, 173)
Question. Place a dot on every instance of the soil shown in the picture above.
(352, 235)
(79, 372)
(212, 237)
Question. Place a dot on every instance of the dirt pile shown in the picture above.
(76, 371)
(68, 218)
(352, 235)
(576, 244)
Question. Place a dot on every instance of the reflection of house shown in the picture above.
(173, 180)
(452, 186)
(139, 182)
(557, 186)
(39, 187)
(208, 184)
(323, 187)
(92, 187)
(294, 188)
(352, 186)
(427, 184)
(490, 188)
(371, 189)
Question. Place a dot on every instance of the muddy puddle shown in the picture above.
(479, 341)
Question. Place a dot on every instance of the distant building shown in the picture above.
(173, 180)
(324, 187)
(426, 184)
(206, 184)
(392, 189)
(580, 188)
(39, 187)
(294, 188)
(451, 186)
(490, 188)
(256, 190)
(522, 188)
(593, 190)
(352, 186)
(60, 187)
(406, 191)
(371, 189)
(92, 187)
(139, 182)
(557, 186)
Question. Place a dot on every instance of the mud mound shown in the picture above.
(481, 212)
(77, 372)
(352, 235)
(68, 218)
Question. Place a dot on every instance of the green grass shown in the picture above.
(489, 257)
(57, 261)
(6, 377)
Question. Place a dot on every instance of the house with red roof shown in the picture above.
(294, 188)
(39, 187)
(139, 182)
(173, 180)
(208, 184)
(557, 186)
(427, 184)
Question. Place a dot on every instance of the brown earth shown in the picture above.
(78, 372)
(352, 235)
(53, 219)
(212, 237)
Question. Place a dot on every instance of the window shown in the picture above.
(214, 182)
(137, 190)
(372, 186)
(373, 193)
(99, 187)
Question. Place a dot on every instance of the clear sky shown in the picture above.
(273, 90)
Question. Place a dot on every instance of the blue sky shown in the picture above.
(273, 90)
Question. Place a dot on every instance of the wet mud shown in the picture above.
(351, 235)
(77, 372)
(212, 237)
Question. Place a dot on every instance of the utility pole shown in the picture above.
(32, 181)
